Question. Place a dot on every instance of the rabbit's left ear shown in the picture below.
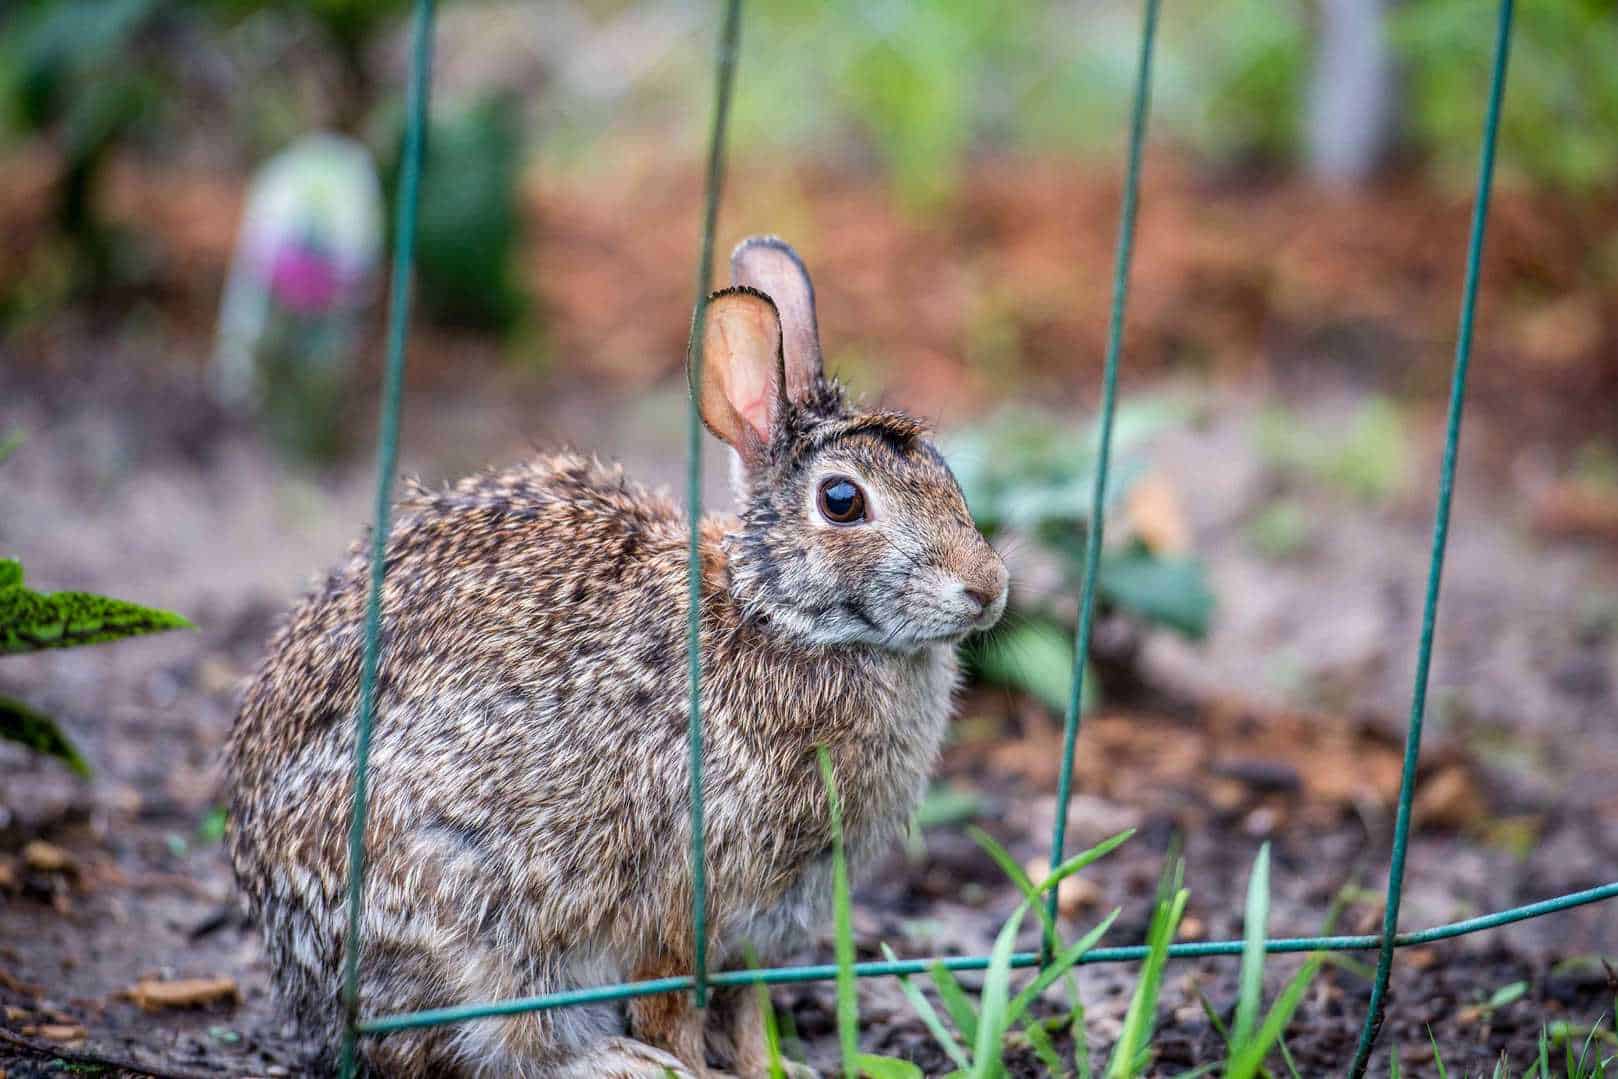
(738, 388)
(771, 266)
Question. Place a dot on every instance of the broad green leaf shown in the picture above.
(1035, 656)
(1507, 993)
(877, 1067)
(1172, 592)
(39, 732)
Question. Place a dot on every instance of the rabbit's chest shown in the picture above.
(889, 749)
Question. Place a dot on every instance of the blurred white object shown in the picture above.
(304, 270)
(1353, 91)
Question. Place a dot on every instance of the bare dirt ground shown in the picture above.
(1285, 725)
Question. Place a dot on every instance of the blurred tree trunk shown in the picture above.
(1353, 91)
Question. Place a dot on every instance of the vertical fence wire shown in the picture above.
(1435, 569)
(729, 39)
(404, 250)
(1109, 395)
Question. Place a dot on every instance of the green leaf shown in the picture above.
(1172, 592)
(929, 1017)
(955, 1001)
(1043, 1049)
(9, 444)
(39, 732)
(878, 1067)
(766, 1011)
(1059, 965)
(1507, 993)
(31, 621)
(213, 824)
(1134, 1042)
(848, 999)
(996, 999)
(1036, 657)
(1438, 1058)
(1252, 974)
(1248, 1058)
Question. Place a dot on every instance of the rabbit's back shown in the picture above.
(528, 748)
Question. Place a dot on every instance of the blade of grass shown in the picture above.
(995, 999)
(1128, 1056)
(929, 1016)
(766, 1011)
(1081, 1041)
(1040, 1042)
(1025, 884)
(1214, 1020)
(848, 1000)
(1438, 1058)
(1249, 1058)
(955, 1000)
(1248, 999)
(1286, 1058)
(1059, 965)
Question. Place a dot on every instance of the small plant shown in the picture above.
(1027, 477)
(33, 621)
(1368, 459)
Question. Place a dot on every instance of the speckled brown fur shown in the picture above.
(528, 826)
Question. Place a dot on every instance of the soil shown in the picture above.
(1285, 725)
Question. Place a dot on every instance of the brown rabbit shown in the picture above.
(528, 827)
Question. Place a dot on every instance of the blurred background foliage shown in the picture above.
(915, 89)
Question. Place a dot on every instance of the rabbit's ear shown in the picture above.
(739, 395)
(771, 266)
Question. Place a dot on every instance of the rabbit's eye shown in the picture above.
(841, 501)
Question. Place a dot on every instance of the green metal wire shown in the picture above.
(729, 40)
(1435, 569)
(891, 968)
(387, 454)
(1123, 256)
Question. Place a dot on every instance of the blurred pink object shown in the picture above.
(304, 280)
(305, 265)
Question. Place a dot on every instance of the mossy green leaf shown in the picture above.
(31, 621)
(39, 732)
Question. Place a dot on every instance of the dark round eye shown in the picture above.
(841, 500)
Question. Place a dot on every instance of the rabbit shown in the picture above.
(528, 829)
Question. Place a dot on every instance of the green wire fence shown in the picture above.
(700, 980)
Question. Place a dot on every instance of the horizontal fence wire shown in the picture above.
(904, 967)
(1435, 568)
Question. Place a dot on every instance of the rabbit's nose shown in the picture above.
(980, 596)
